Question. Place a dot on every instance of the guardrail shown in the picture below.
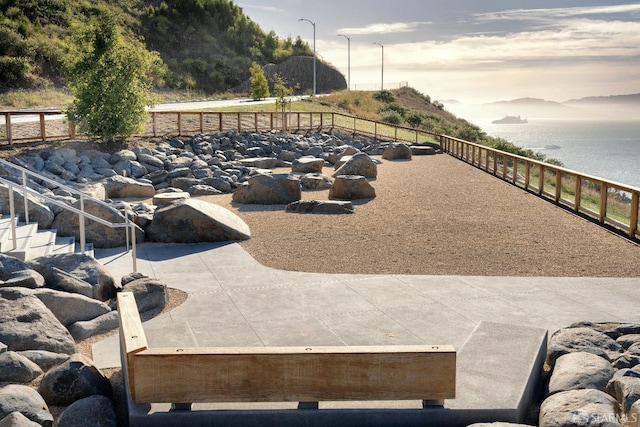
(25, 190)
(41, 125)
(607, 202)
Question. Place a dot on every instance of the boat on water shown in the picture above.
(510, 120)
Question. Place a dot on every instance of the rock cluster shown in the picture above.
(594, 376)
(238, 162)
(46, 305)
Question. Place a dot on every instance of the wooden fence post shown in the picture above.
(43, 129)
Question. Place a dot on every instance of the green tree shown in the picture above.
(259, 83)
(110, 81)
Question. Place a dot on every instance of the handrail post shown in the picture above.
(604, 193)
(558, 185)
(179, 123)
(201, 122)
(12, 214)
(25, 198)
(578, 192)
(133, 248)
(81, 225)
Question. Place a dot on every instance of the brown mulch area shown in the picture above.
(436, 215)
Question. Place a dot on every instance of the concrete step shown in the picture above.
(42, 243)
(23, 241)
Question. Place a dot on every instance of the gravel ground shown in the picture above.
(436, 215)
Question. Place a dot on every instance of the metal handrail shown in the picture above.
(130, 227)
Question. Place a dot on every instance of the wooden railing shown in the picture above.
(38, 127)
(607, 202)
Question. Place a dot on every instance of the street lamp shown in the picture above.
(382, 85)
(314, 52)
(348, 60)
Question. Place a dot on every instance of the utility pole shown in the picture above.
(314, 53)
(382, 85)
(348, 60)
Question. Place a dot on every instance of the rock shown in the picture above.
(351, 187)
(157, 177)
(74, 379)
(423, 150)
(273, 189)
(580, 370)
(27, 324)
(130, 168)
(191, 221)
(315, 181)
(64, 281)
(16, 368)
(307, 164)
(579, 408)
(627, 341)
(3, 348)
(162, 199)
(625, 387)
(395, 151)
(634, 413)
(260, 162)
(45, 359)
(15, 272)
(92, 411)
(100, 235)
(183, 183)
(569, 340)
(128, 278)
(359, 164)
(81, 266)
(84, 329)
(150, 293)
(611, 329)
(498, 424)
(120, 187)
(70, 308)
(123, 155)
(27, 401)
(328, 207)
(38, 212)
(202, 190)
(16, 419)
(218, 184)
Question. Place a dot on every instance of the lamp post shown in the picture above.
(382, 85)
(348, 60)
(314, 53)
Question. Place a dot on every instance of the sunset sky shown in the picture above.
(469, 50)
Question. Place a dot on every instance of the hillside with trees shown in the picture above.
(206, 46)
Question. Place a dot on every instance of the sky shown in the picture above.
(472, 51)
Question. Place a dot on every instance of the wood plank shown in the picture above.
(132, 336)
(294, 374)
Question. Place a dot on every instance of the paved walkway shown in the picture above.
(235, 301)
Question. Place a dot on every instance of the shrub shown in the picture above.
(392, 117)
(259, 83)
(384, 96)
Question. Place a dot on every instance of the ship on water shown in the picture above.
(510, 120)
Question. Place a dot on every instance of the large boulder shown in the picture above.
(358, 164)
(579, 370)
(102, 236)
(260, 162)
(570, 340)
(92, 411)
(16, 419)
(70, 308)
(27, 324)
(351, 187)
(83, 329)
(24, 399)
(80, 266)
(150, 293)
(269, 189)
(15, 272)
(395, 151)
(307, 164)
(121, 187)
(327, 207)
(38, 212)
(193, 220)
(72, 380)
(14, 367)
(579, 408)
(315, 181)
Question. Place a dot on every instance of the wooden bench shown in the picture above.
(280, 374)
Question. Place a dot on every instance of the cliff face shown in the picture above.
(299, 70)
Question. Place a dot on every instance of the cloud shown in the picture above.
(383, 28)
(554, 13)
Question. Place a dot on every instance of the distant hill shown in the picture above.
(595, 107)
(207, 45)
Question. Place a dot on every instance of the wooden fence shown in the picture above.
(609, 203)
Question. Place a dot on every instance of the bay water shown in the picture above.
(605, 149)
